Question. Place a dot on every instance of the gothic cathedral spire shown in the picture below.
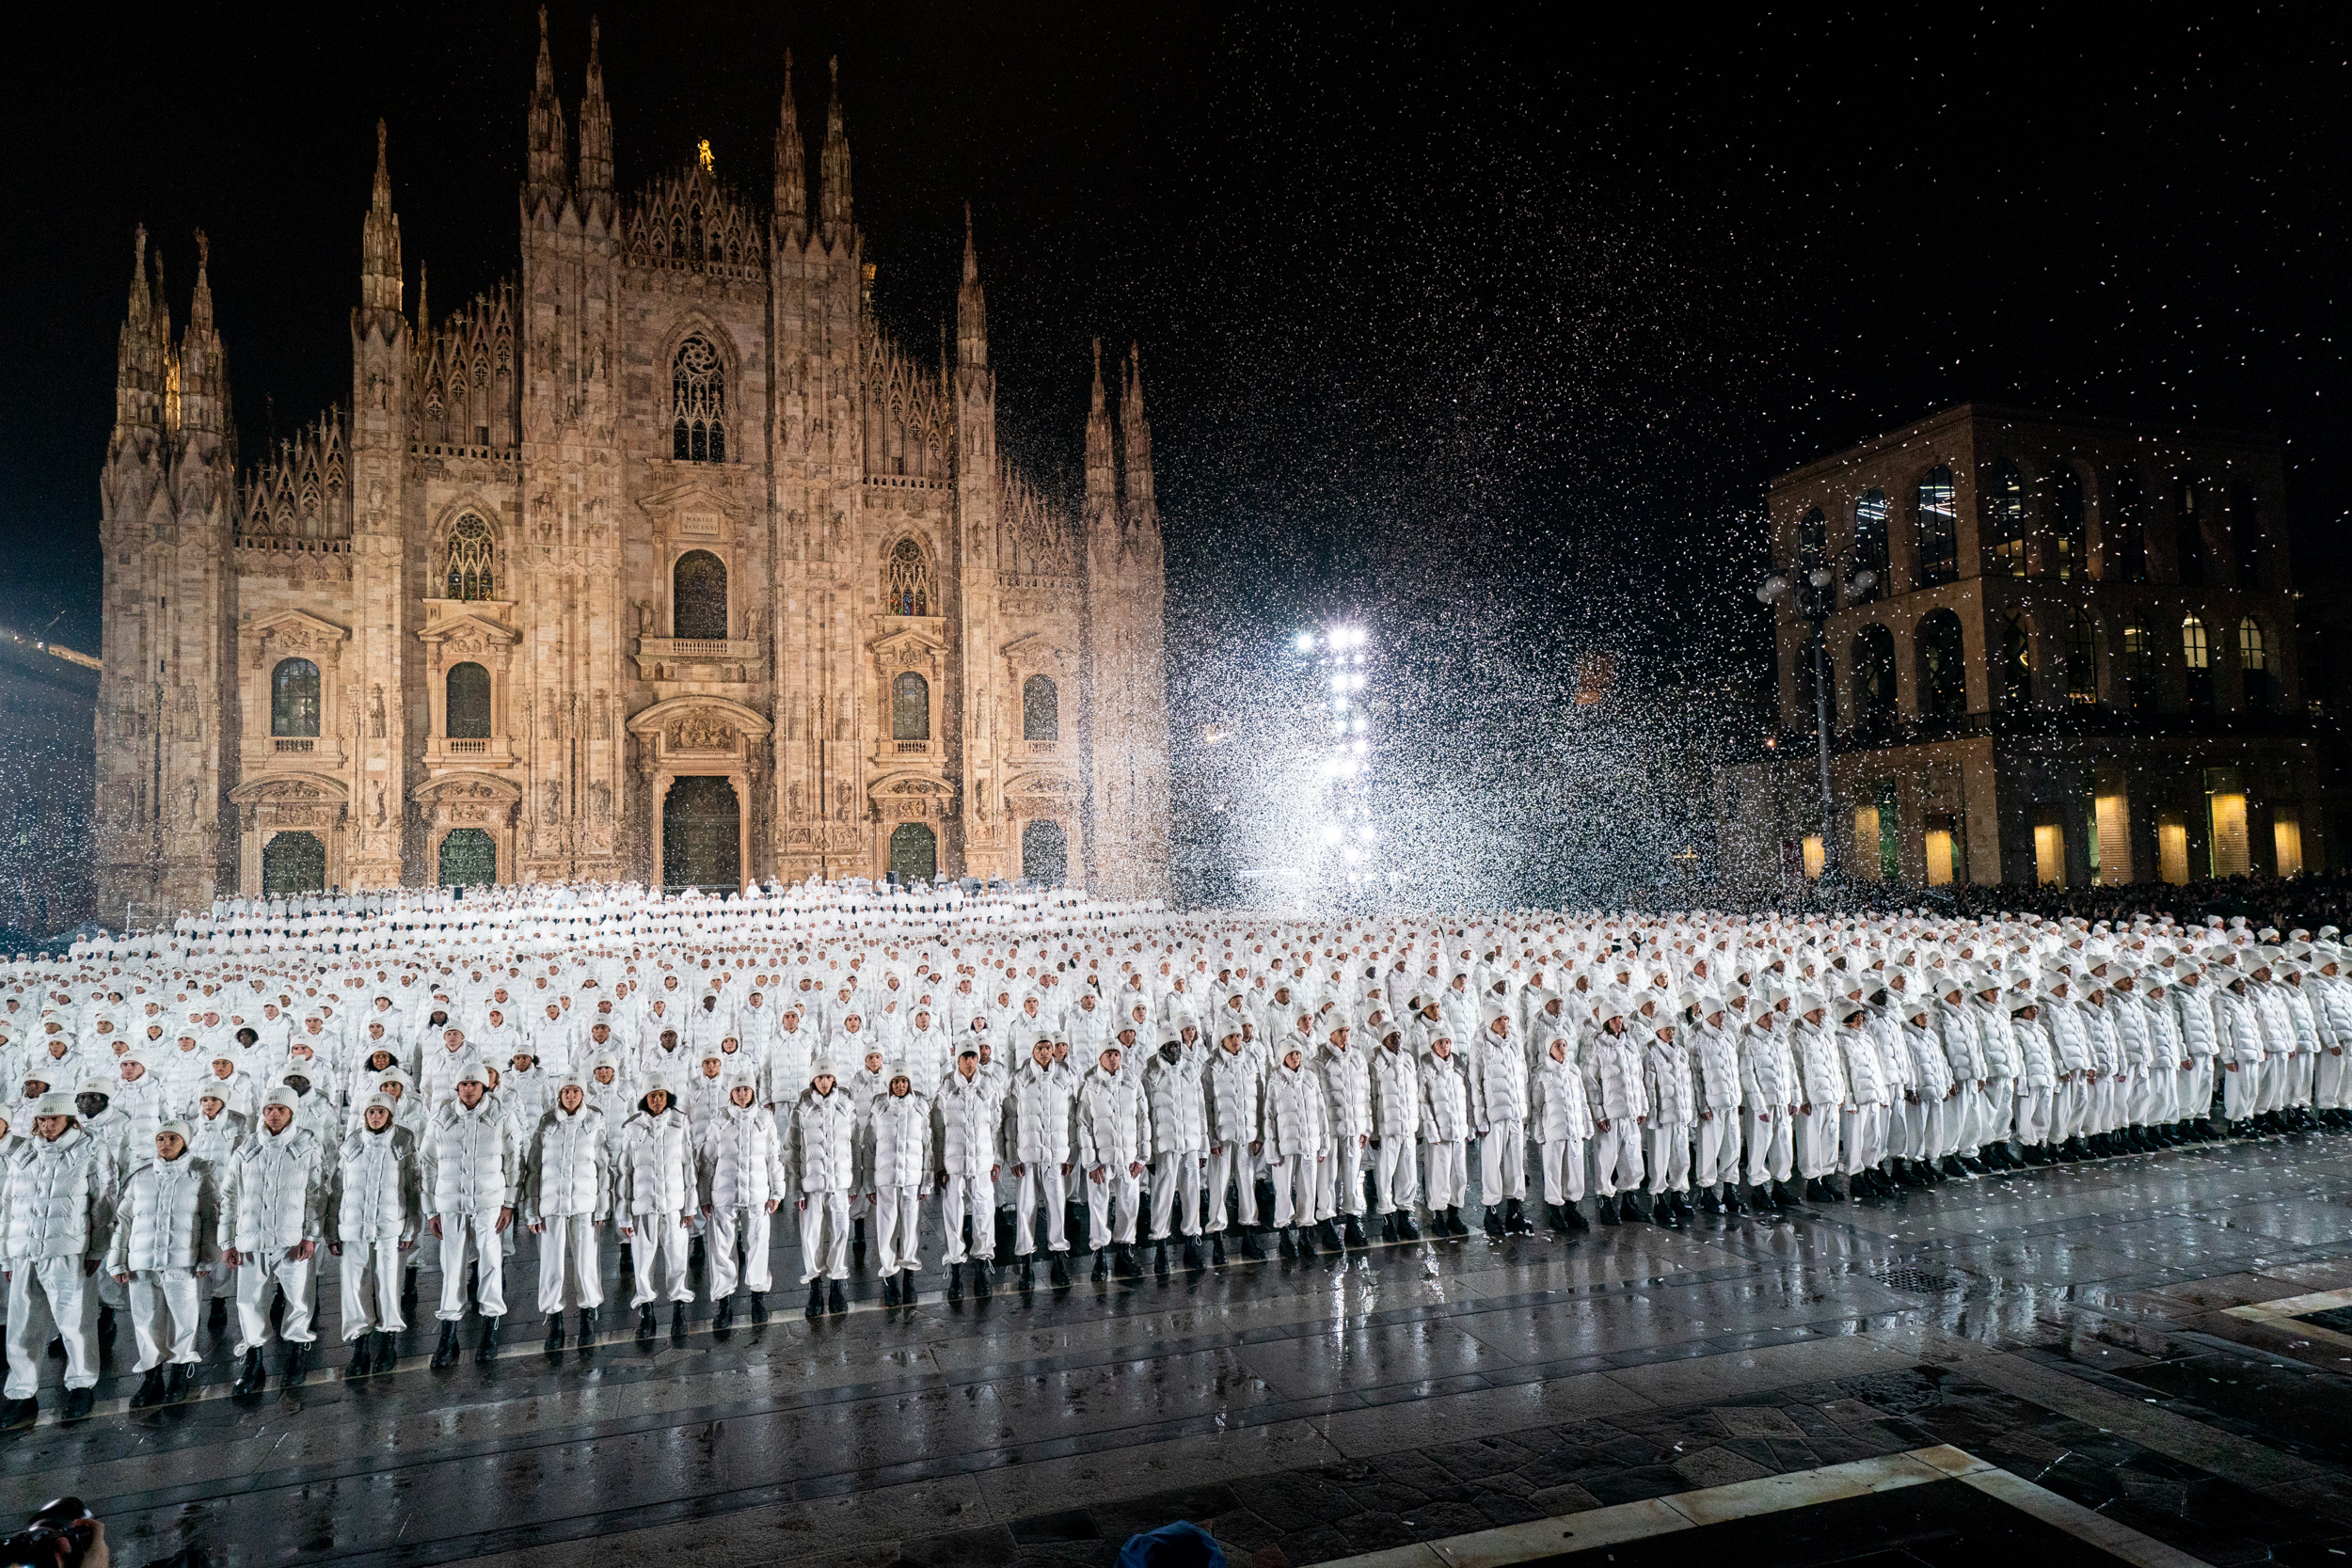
(834, 197)
(1101, 492)
(595, 137)
(970, 304)
(545, 186)
(379, 244)
(1143, 515)
(791, 165)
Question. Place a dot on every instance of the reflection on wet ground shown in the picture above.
(2071, 1325)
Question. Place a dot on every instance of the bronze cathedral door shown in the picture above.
(702, 836)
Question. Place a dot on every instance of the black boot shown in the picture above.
(906, 1289)
(587, 1328)
(150, 1390)
(954, 1282)
(1253, 1243)
(759, 1307)
(1609, 1210)
(292, 1364)
(1735, 1202)
(649, 1325)
(1514, 1217)
(1057, 1274)
(19, 1415)
(1102, 1270)
(487, 1351)
(176, 1387)
(216, 1317)
(555, 1333)
(1216, 1249)
(1123, 1261)
(1159, 1259)
(363, 1359)
(445, 1351)
(1572, 1216)
(677, 1321)
(1028, 1274)
(837, 1300)
(890, 1289)
(980, 1279)
(857, 1241)
(1352, 1232)
(816, 1299)
(386, 1356)
(722, 1315)
(1328, 1236)
(1455, 1224)
(77, 1405)
(1494, 1221)
(1193, 1261)
(1388, 1227)
(1709, 1202)
(1287, 1245)
(1406, 1230)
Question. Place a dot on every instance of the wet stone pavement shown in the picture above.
(2072, 1326)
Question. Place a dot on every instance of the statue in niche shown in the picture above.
(554, 810)
(375, 817)
(375, 713)
(601, 800)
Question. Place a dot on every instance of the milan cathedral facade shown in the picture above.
(662, 562)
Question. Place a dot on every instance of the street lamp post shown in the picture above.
(1814, 601)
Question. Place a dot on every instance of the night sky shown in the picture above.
(1486, 323)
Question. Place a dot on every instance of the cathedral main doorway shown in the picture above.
(293, 863)
(470, 856)
(702, 836)
(914, 853)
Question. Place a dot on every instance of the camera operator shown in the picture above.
(62, 1535)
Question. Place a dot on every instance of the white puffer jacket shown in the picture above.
(168, 1217)
(57, 1199)
(1715, 1057)
(1346, 1076)
(2192, 1010)
(1561, 1112)
(1040, 1116)
(824, 1134)
(1768, 1074)
(1444, 1102)
(570, 1169)
(1114, 1120)
(1613, 1076)
(1295, 1122)
(1233, 1094)
(1866, 1074)
(657, 1165)
(970, 1114)
(1396, 1092)
(741, 1162)
(1498, 1082)
(900, 1131)
(1821, 1068)
(275, 1196)
(1179, 1112)
(378, 1197)
(1667, 1079)
(472, 1159)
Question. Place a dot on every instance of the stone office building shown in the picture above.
(661, 560)
(2076, 660)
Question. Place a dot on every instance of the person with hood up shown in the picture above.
(1445, 1133)
(1296, 1140)
(374, 1217)
(657, 1200)
(1038, 1146)
(740, 1164)
(968, 1107)
(822, 1169)
(57, 1221)
(566, 1197)
(1563, 1123)
(1822, 1075)
(1715, 1061)
(1499, 1104)
(472, 1163)
(1396, 1135)
(1666, 1084)
(1346, 1075)
(899, 1121)
(1616, 1091)
(166, 1241)
(1114, 1134)
(1179, 1147)
(272, 1219)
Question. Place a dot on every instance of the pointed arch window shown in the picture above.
(907, 581)
(1939, 528)
(698, 402)
(470, 555)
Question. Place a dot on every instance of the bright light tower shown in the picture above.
(1337, 660)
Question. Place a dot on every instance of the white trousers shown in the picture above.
(479, 1235)
(166, 1308)
(570, 1272)
(1343, 1176)
(1127, 1190)
(296, 1278)
(2036, 1109)
(897, 1217)
(1038, 1187)
(1503, 1162)
(1772, 1151)
(658, 1251)
(2000, 1111)
(1445, 1167)
(1393, 1173)
(824, 1237)
(1293, 1190)
(1817, 1141)
(370, 1282)
(1719, 1149)
(1563, 1170)
(1669, 1157)
(1864, 1132)
(961, 1195)
(1617, 1158)
(42, 1293)
(751, 1223)
(1175, 1177)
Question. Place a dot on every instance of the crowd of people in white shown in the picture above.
(200, 1118)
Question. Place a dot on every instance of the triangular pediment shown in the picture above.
(692, 493)
(1038, 648)
(914, 633)
(296, 620)
(469, 623)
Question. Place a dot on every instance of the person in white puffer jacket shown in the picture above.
(1499, 1107)
(166, 1241)
(1715, 1068)
(1610, 1066)
(658, 1196)
(822, 1167)
(740, 1164)
(472, 1163)
(1295, 1137)
(968, 1111)
(1233, 1102)
(1038, 1132)
(898, 1128)
(1114, 1135)
(57, 1221)
(374, 1217)
(1180, 1148)
(1445, 1132)
(1395, 1135)
(1346, 1075)
(1563, 1124)
(567, 1199)
(272, 1219)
